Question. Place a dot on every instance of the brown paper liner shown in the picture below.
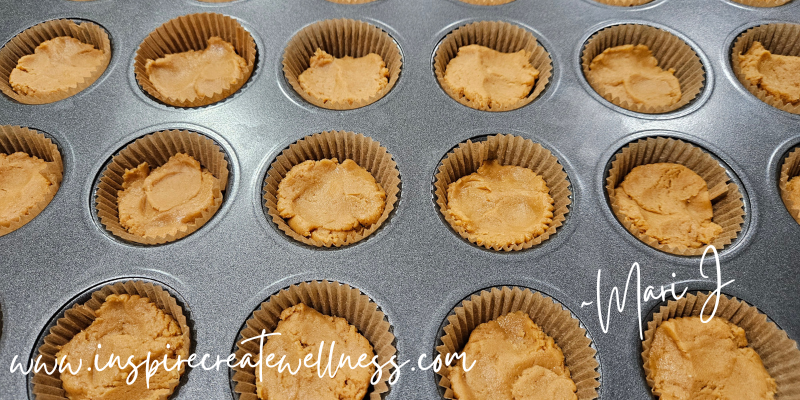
(329, 298)
(670, 51)
(780, 39)
(508, 150)
(545, 312)
(486, 2)
(25, 43)
(339, 38)
(80, 316)
(790, 169)
(156, 149)
(726, 197)
(366, 152)
(762, 3)
(500, 36)
(778, 353)
(18, 139)
(191, 32)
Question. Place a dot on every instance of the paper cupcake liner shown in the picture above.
(328, 298)
(18, 139)
(366, 152)
(780, 39)
(790, 169)
(545, 312)
(191, 32)
(25, 43)
(156, 149)
(726, 197)
(670, 51)
(778, 353)
(486, 2)
(339, 38)
(500, 36)
(80, 316)
(762, 3)
(508, 150)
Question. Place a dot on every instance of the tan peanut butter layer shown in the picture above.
(793, 190)
(196, 74)
(777, 75)
(325, 200)
(490, 78)
(24, 182)
(164, 201)
(344, 80)
(513, 360)
(56, 65)
(631, 74)
(690, 359)
(305, 332)
(126, 325)
(669, 203)
(501, 205)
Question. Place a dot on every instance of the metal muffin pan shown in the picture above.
(415, 267)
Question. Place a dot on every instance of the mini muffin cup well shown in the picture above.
(779, 39)
(351, 1)
(366, 152)
(545, 312)
(339, 38)
(486, 2)
(507, 150)
(26, 42)
(80, 316)
(624, 3)
(500, 36)
(156, 149)
(790, 169)
(726, 197)
(329, 298)
(670, 51)
(18, 139)
(778, 353)
(191, 32)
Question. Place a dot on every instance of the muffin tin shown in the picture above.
(415, 268)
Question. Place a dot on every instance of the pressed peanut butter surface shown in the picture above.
(56, 65)
(489, 78)
(793, 189)
(777, 75)
(24, 182)
(126, 325)
(690, 359)
(344, 80)
(514, 360)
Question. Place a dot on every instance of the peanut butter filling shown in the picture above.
(324, 200)
(669, 203)
(513, 360)
(490, 78)
(56, 65)
(196, 74)
(690, 359)
(125, 326)
(777, 75)
(793, 190)
(25, 181)
(632, 75)
(164, 201)
(501, 205)
(344, 80)
(305, 332)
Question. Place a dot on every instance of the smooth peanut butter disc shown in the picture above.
(490, 78)
(56, 65)
(501, 205)
(344, 80)
(125, 326)
(670, 203)
(164, 201)
(305, 332)
(777, 75)
(632, 75)
(325, 200)
(25, 181)
(514, 360)
(690, 359)
(196, 74)
(793, 190)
